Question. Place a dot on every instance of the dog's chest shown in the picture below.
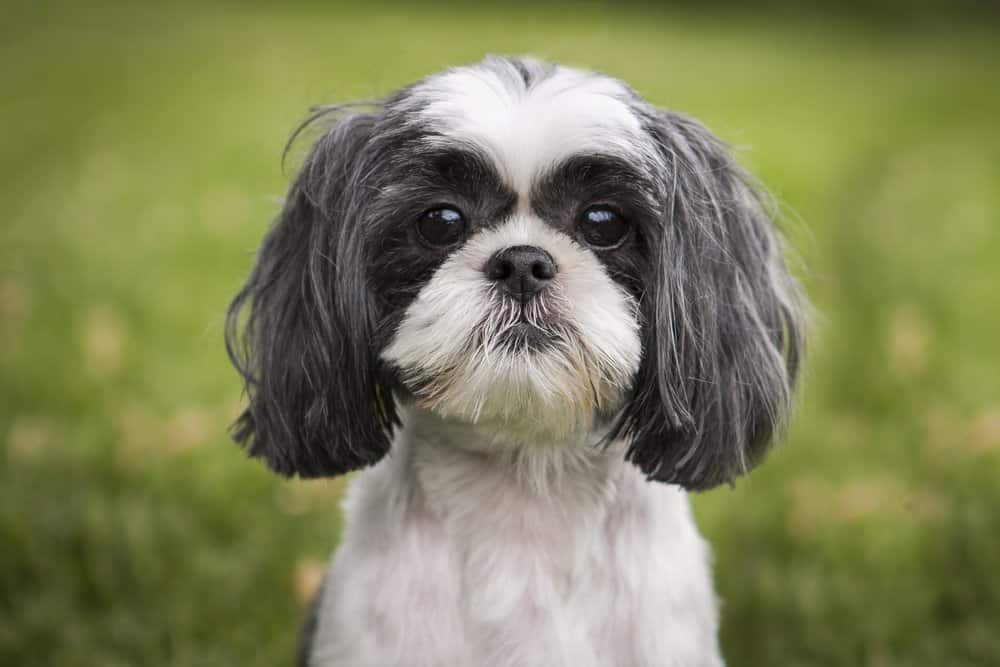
(539, 585)
(611, 573)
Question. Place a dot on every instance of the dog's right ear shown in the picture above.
(317, 404)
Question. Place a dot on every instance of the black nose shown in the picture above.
(521, 270)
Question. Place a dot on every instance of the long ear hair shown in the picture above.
(723, 321)
(317, 403)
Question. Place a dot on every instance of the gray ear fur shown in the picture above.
(318, 405)
(723, 321)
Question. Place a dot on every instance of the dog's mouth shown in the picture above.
(523, 336)
(528, 327)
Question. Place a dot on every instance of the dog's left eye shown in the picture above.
(441, 226)
(602, 227)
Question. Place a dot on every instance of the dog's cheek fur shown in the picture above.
(723, 321)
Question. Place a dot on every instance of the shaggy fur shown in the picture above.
(517, 519)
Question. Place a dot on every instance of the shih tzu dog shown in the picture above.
(535, 310)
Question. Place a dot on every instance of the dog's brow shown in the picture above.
(454, 163)
(590, 166)
(587, 172)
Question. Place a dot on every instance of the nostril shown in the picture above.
(500, 270)
(542, 270)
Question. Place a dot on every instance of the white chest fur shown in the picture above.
(456, 556)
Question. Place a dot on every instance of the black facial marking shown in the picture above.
(421, 178)
(588, 182)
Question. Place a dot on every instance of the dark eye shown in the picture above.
(602, 228)
(441, 226)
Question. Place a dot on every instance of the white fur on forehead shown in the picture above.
(527, 127)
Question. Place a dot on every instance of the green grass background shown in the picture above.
(139, 167)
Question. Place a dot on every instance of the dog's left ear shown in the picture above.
(722, 321)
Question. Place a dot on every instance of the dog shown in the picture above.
(535, 311)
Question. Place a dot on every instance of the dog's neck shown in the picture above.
(457, 469)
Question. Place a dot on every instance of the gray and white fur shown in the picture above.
(535, 310)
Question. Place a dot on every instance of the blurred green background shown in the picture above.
(139, 168)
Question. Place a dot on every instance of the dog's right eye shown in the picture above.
(442, 226)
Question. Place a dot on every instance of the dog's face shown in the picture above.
(523, 200)
(532, 249)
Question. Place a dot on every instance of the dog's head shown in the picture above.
(527, 247)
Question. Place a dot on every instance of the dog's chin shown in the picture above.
(524, 386)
